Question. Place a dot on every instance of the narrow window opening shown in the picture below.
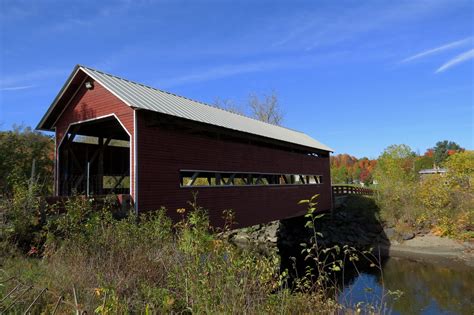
(190, 178)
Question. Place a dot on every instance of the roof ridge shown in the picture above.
(187, 98)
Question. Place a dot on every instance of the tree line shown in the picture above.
(347, 169)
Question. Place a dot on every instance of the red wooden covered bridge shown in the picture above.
(118, 136)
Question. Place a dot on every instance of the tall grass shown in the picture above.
(145, 264)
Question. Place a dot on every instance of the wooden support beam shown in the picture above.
(193, 179)
(100, 167)
(118, 182)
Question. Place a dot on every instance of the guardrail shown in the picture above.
(342, 190)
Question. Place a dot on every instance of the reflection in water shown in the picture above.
(427, 288)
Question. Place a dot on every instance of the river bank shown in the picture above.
(357, 226)
(418, 273)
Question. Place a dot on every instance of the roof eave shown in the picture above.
(41, 124)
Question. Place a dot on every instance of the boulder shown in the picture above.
(407, 236)
(390, 233)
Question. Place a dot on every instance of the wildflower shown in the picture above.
(217, 244)
(33, 251)
(181, 210)
(98, 291)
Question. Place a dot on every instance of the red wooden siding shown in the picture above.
(90, 104)
(163, 153)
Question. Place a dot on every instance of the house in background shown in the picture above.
(118, 136)
(432, 171)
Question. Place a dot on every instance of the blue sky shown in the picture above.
(356, 75)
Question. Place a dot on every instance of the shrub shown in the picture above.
(442, 202)
(149, 264)
(22, 219)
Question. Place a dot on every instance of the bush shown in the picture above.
(20, 149)
(22, 220)
(396, 183)
(148, 264)
(442, 202)
(449, 200)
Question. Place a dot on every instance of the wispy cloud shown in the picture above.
(308, 30)
(16, 88)
(228, 70)
(29, 78)
(220, 72)
(438, 49)
(456, 60)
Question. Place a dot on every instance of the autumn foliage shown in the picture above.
(347, 169)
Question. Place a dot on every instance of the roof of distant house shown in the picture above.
(433, 171)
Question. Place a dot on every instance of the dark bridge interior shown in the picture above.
(94, 159)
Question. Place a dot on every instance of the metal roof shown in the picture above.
(144, 97)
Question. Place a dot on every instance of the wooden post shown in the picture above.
(65, 172)
(100, 168)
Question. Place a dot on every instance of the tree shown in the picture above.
(339, 175)
(396, 164)
(366, 177)
(424, 162)
(443, 149)
(461, 170)
(267, 110)
(228, 105)
(396, 181)
(20, 148)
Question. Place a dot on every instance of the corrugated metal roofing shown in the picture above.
(144, 97)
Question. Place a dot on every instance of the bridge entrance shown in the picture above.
(94, 159)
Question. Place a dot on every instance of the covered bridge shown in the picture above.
(118, 136)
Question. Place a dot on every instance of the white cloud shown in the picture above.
(220, 72)
(16, 88)
(228, 70)
(456, 60)
(438, 49)
(26, 79)
(309, 29)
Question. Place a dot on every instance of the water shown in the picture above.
(428, 287)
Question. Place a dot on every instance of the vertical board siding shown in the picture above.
(90, 104)
(163, 153)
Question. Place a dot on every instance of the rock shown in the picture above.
(272, 239)
(468, 245)
(408, 236)
(271, 230)
(241, 239)
(390, 233)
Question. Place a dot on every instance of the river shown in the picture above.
(428, 287)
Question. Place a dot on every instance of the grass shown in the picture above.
(147, 264)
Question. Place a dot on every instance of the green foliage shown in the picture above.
(442, 202)
(339, 175)
(326, 264)
(149, 264)
(443, 149)
(461, 170)
(346, 169)
(423, 162)
(395, 164)
(22, 219)
(18, 149)
(396, 181)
